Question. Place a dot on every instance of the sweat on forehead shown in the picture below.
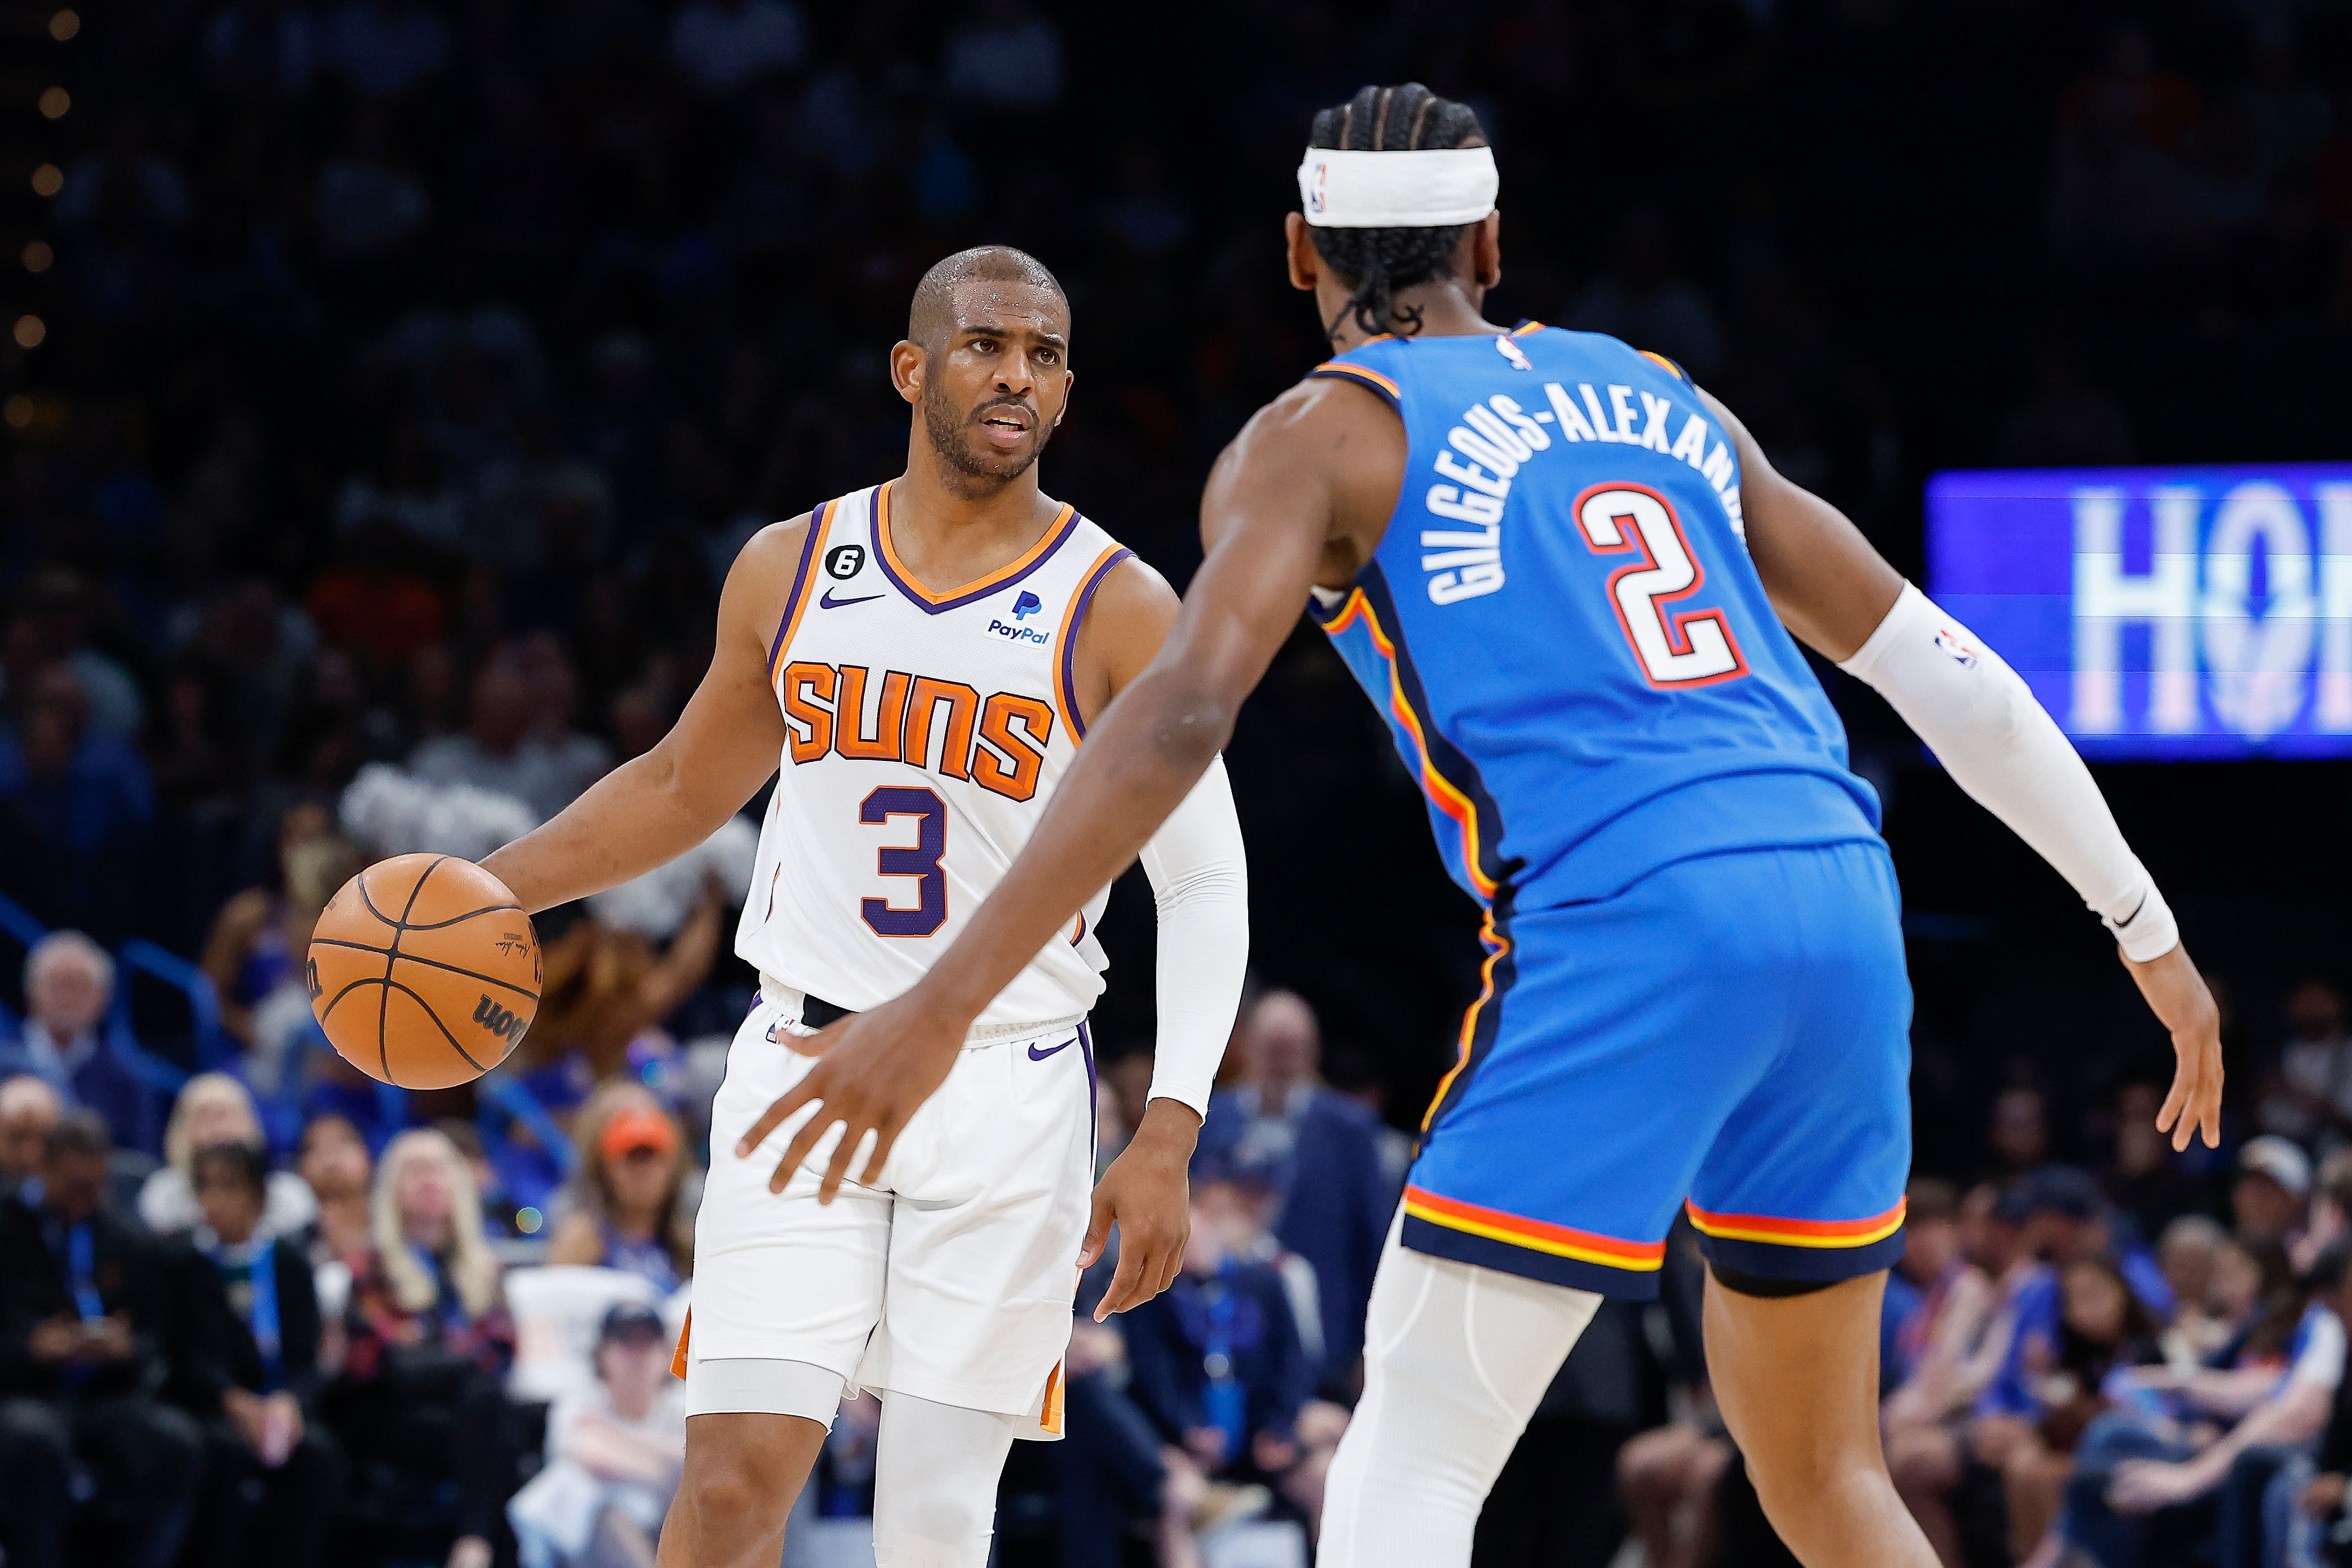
(933, 310)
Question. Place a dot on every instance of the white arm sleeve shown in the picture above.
(1200, 880)
(2000, 746)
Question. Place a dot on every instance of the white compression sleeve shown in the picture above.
(1456, 1358)
(1999, 745)
(935, 1472)
(1199, 876)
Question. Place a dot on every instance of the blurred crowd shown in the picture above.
(391, 383)
(358, 1349)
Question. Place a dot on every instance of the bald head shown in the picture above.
(29, 1108)
(933, 312)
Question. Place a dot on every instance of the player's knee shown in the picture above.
(733, 1492)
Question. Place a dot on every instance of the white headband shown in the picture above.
(1430, 188)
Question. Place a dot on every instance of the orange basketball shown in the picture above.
(425, 970)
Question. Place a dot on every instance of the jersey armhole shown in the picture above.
(1658, 359)
(1065, 667)
(820, 523)
(1363, 375)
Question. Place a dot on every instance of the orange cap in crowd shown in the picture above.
(631, 1131)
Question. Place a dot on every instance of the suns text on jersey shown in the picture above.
(942, 726)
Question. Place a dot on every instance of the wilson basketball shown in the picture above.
(424, 971)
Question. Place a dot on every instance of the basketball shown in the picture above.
(424, 971)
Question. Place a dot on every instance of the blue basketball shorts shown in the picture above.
(1729, 1035)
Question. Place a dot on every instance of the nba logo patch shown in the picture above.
(1315, 197)
(1026, 605)
(1512, 352)
(1961, 653)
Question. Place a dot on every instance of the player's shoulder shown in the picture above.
(1131, 589)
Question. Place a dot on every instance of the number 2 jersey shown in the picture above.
(1564, 630)
(926, 732)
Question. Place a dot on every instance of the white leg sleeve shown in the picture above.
(1456, 1358)
(935, 1472)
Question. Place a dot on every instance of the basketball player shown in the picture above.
(1563, 571)
(925, 656)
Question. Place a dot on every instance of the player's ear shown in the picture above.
(1484, 244)
(1069, 381)
(907, 370)
(1306, 266)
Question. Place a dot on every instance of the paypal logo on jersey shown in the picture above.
(1026, 605)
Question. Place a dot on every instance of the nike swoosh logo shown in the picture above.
(828, 602)
(1038, 1055)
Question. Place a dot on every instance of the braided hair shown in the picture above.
(1376, 262)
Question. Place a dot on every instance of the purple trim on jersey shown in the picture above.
(1087, 1050)
(799, 581)
(915, 596)
(1070, 640)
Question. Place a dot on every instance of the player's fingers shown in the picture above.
(792, 1099)
(1097, 1231)
(1174, 1266)
(2210, 1118)
(885, 1136)
(797, 1151)
(2175, 1102)
(855, 1126)
(1119, 1297)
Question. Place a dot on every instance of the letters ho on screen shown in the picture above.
(2161, 613)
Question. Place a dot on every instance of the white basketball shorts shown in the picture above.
(951, 1280)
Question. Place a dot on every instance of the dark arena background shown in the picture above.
(389, 384)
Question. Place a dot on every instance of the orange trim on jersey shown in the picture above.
(677, 1356)
(1677, 371)
(1066, 700)
(1831, 1233)
(1055, 532)
(1524, 328)
(1497, 946)
(804, 587)
(1364, 372)
(1559, 1240)
(1437, 786)
(1049, 1413)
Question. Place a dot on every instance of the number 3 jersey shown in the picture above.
(925, 732)
(1564, 629)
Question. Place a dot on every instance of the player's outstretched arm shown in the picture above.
(1265, 519)
(654, 808)
(1996, 742)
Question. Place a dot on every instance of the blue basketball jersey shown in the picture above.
(1564, 629)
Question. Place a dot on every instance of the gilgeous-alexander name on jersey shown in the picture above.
(925, 732)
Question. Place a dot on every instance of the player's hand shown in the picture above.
(2176, 993)
(875, 1071)
(1145, 1193)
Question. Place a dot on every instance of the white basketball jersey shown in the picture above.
(926, 733)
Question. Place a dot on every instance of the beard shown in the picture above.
(952, 438)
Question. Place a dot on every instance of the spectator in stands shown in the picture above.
(2146, 1184)
(2321, 1505)
(515, 744)
(2166, 1452)
(68, 986)
(1217, 1361)
(626, 1200)
(29, 1108)
(2020, 1130)
(2101, 1326)
(271, 1481)
(2189, 1252)
(2307, 1094)
(76, 802)
(614, 1454)
(1920, 1285)
(606, 986)
(254, 953)
(1926, 1420)
(91, 1334)
(333, 1162)
(215, 1108)
(421, 1400)
(1333, 1204)
(2271, 1199)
